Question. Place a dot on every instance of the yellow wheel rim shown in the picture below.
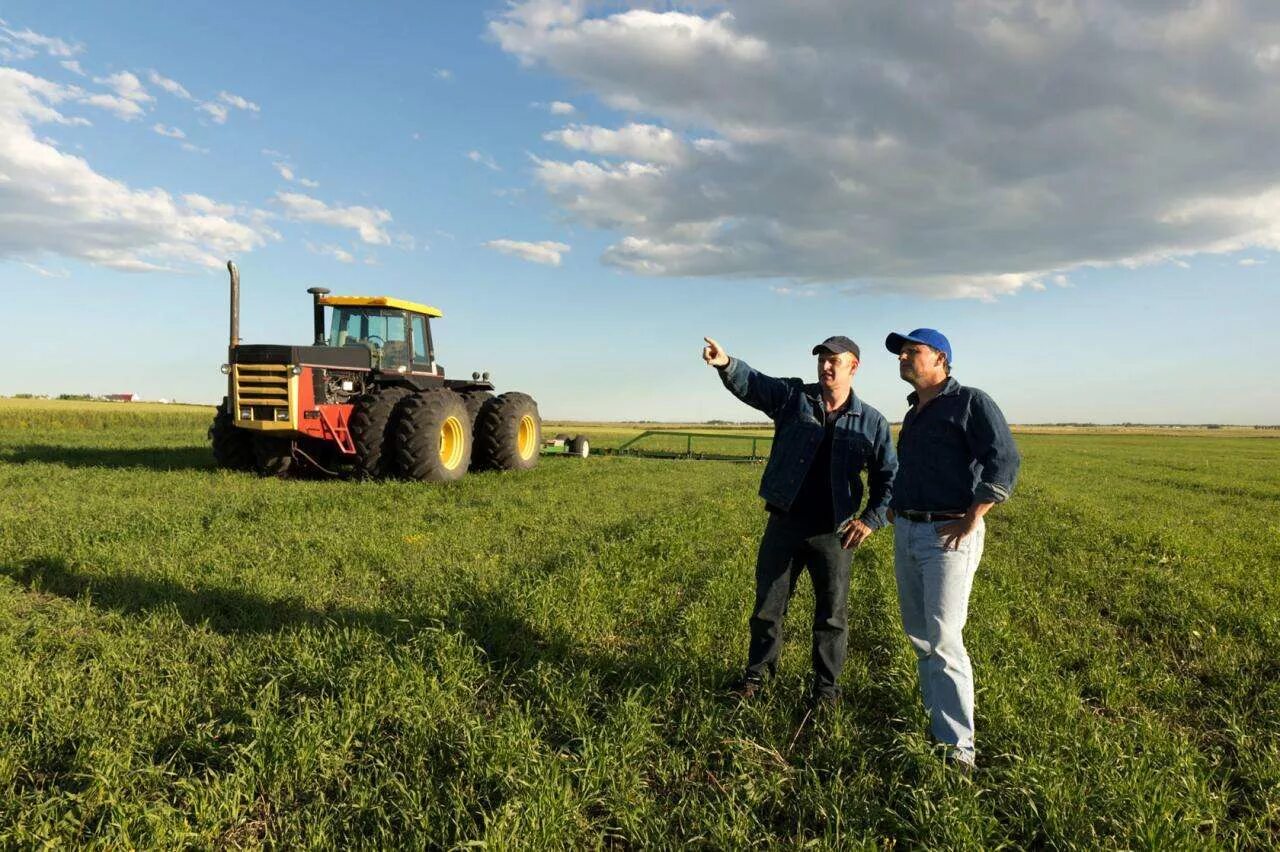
(527, 440)
(451, 442)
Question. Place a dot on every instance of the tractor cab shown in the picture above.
(396, 332)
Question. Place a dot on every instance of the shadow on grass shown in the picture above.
(510, 644)
(151, 458)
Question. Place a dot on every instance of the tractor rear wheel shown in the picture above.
(232, 447)
(272, 456)
(508, 433)
(372, 428)
(475, 400)
(579, 446)
(433, 436)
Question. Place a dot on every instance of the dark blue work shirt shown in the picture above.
(957, 451)
(860, 441)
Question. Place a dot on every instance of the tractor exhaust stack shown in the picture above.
(316, 293)
(235, 303)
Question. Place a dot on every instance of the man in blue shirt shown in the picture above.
(957, 459)
(824, 437)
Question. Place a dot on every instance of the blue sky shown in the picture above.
(588, 189)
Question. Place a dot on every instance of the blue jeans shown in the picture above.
(933, 596)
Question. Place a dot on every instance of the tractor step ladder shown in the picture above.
(338, 429)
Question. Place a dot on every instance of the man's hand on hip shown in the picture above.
(855, 533)
(713, 354)
(957, 531)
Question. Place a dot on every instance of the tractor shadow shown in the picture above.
(163, 459)
(509, 644)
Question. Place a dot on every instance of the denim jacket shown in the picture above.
(861, 441)
(955, 451)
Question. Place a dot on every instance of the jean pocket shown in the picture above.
(964, 543)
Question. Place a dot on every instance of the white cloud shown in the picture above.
(127, 86)
(1250, 261)
(195, 149)
(121, 107)
(541, 252)
(171, 132)
(237, 102)
(220, 109)
(287, 172)
(28, 41)
(443, 74)
(484, 160)
(173, 87)
(215, 111)
(561, 108)
(73, 66)
(973, 150)
(366, 221)
(336, 252)
(635, 141)
(55, 203)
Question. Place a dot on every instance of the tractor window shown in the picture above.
(420, 359)
(381, 330)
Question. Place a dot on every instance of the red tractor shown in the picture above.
(367, 399)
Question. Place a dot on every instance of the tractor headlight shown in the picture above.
(402, 369)
(282, 414)
(295, 369)
(246, 413)
(226, 369)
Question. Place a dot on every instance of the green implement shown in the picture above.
(661, 443)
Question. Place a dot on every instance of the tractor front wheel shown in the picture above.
(272, 456)
(508, 433)
(433, 436)
(232, 447)
(372, 428)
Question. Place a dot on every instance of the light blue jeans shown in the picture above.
(933, 596)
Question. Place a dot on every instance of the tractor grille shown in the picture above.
(262, 391)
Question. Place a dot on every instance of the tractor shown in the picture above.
(366, 399)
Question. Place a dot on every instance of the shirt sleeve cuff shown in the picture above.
(989, 492)
(874, 520)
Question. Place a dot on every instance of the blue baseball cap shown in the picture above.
(927, 336)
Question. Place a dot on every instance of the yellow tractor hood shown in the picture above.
(379, 302)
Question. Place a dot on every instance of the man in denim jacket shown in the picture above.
(824, 437)
(958, 460)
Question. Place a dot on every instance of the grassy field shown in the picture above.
(193, 657)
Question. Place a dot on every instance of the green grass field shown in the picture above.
(194, 657)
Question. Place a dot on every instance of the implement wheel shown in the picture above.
(508, 433)
(232, 447)
(433, 436)
(372, 428)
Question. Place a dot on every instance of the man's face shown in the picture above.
(916, 360)
(835, 370)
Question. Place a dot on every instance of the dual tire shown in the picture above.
(437, 435)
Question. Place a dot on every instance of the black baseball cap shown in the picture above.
(836, 344)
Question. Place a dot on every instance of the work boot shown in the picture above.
(746, 688)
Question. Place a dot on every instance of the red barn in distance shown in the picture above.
(122, 397)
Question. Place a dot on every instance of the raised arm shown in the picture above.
(765, 393)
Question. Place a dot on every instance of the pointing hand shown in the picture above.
(713, 354)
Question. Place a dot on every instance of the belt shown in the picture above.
(927, 517)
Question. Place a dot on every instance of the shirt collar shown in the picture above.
(950, 386)
(852, 405)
